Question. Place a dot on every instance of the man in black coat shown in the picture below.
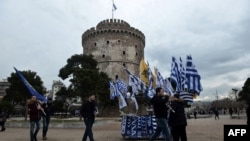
(49, 111)
(159, 102)
(177, 119)
(88, 111)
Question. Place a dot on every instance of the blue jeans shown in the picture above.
(88, 131)
(34, 128)
(46, 121)
(162, 126)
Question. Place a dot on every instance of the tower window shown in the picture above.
(124, 65)
(119, 41)
(107, 42)
(136, 54)
(95, 44)
(103, 56)
(123, 52)
(135, 46)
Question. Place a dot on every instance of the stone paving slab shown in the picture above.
(201, 129)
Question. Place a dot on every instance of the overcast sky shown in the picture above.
(40, 35)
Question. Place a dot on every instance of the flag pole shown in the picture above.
(112, 10)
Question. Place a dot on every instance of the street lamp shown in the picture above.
(235, 92)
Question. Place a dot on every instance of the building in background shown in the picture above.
(4, 84)
(114, 44)
(56, 86)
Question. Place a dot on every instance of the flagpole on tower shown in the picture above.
(113, 9)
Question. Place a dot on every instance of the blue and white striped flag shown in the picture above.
(151, 90)
(122, 86)
(121, 98)
(193, 77)
(112, 89)
(136, 83)
(186, 96)
(168, 87)
(182, 76)
(159, 78)
(175, 74)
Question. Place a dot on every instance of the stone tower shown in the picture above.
(114, 44)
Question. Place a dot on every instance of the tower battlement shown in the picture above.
(116, 26)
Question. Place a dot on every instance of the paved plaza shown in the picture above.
(201, 129)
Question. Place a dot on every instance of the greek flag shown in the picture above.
(114, 7)
(112, 89)
(159, 79)
(151, 90)
(193, 77)
(122, 102)
(175, 74)
(182, 76)
(168, 87)
(122, 86)
(186, 96)
(30, 88)
(136, 83)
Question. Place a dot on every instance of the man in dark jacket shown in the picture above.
(177, 119)
(49, 111)
(88, 112)
(159, 102)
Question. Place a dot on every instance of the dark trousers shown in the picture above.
(34, 129)
(162, 126)
(2, 123)
(179, 132)
(46, 121)
(88, 130)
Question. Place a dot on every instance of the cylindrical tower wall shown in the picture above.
(115, 44)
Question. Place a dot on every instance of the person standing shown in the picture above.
(216, 114)
(49, 111)
(177, 119)
(34, 108)
(4, 116)
(195, 114)
(231, 112)
(88, 111)
(159, 102)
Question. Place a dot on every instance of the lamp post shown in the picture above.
(235, 93)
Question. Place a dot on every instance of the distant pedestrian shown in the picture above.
(49, 111)
(3, 116)
(195, 114)
(88, 111)
(177, 119)
(216, 114)
(231, 112)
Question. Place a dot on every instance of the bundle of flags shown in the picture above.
(186, 80)
(119, 89)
